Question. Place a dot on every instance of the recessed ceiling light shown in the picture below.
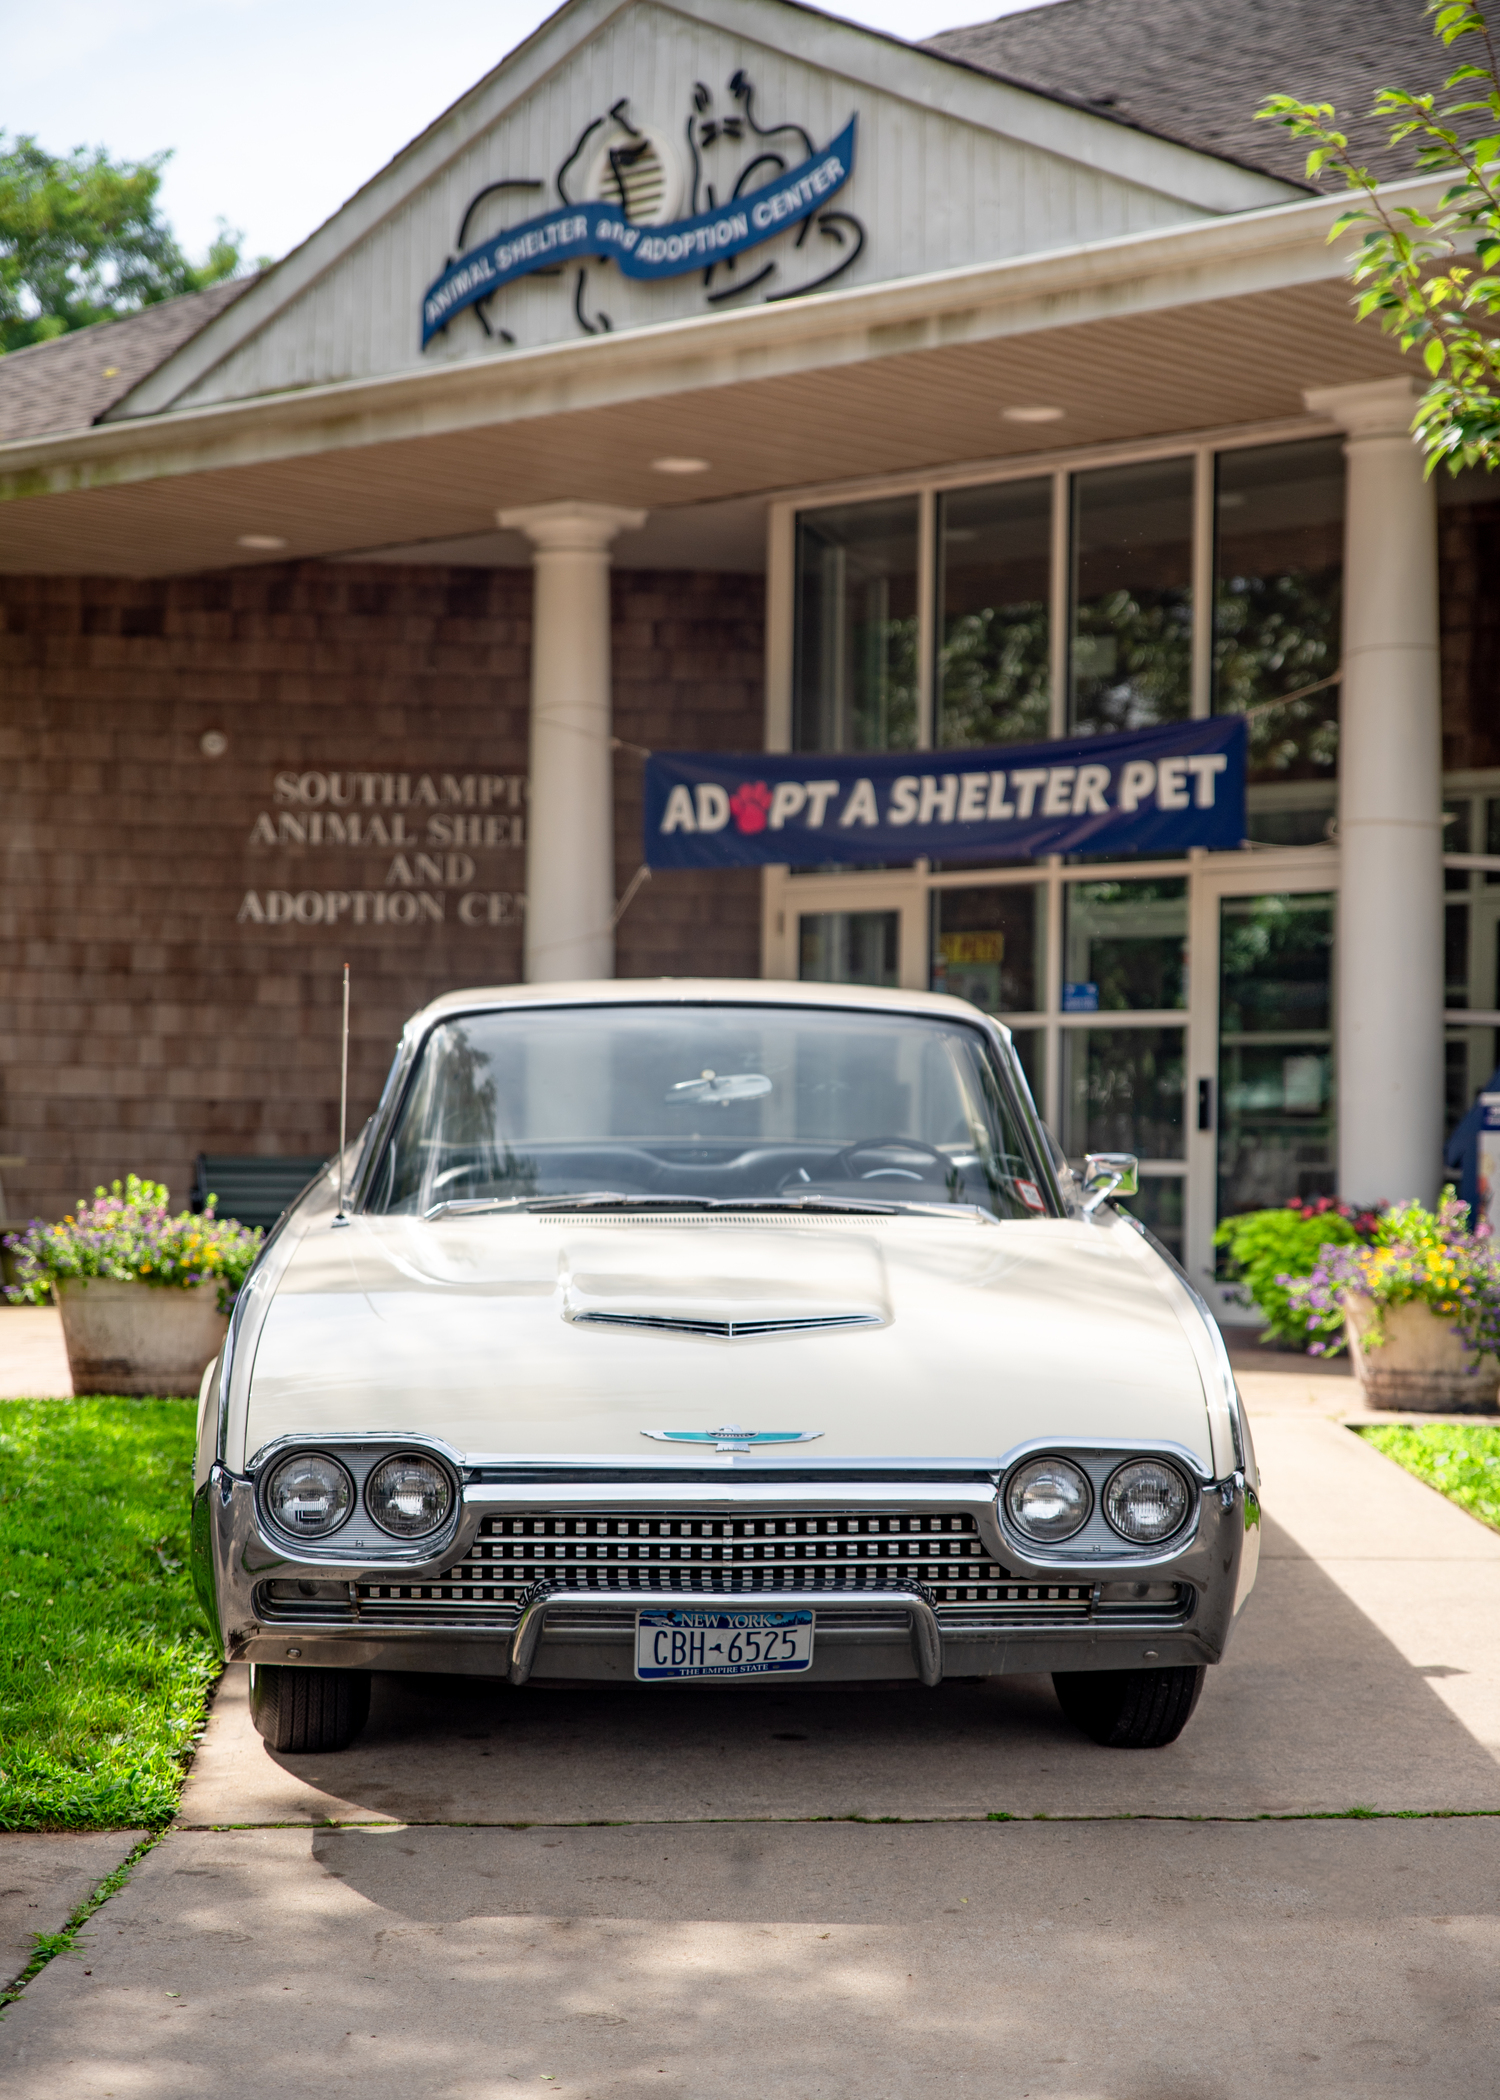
(1032, 415)
(680, 466)
(213, 743)
(262, 542)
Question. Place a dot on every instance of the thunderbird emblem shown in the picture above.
(732, 1438)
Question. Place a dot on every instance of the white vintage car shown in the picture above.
(704, 1330)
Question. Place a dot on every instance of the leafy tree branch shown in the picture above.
(82, 239)
(1430, 279)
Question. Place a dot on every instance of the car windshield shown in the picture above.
(665, 1104)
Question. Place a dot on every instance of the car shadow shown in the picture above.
(1314, 1710)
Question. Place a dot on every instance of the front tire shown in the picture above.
(1130, 1709)
(308, 1710)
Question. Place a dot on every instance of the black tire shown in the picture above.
(1130, 1709)
(308, 1710)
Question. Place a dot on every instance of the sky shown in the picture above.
(277, 110)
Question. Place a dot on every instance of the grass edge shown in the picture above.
(48, 1945)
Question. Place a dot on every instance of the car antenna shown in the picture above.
(342, 1219)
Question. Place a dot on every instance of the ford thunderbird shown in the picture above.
(662, 1334)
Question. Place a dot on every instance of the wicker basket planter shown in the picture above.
(133, 1338)
(1422, 1366)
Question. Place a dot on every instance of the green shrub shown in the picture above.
(1268, 1248)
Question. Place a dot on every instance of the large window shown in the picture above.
(848, 947)
(1126, 945)
(856, 665)
(1278, 587)
(995, 557)
(1132, 641)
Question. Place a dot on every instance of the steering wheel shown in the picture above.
(849, 1156)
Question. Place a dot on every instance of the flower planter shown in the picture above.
(133, 1338)
(1422, 1366)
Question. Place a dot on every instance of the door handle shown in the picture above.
(1205, 1104)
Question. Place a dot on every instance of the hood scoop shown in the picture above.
(734, 1287)
(725, 1330)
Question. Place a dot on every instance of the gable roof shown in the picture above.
(1196, 70)
(74, 379)
(346, 304)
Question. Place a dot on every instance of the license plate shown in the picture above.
(722, 1643)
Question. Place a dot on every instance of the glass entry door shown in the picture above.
(1262, 1095)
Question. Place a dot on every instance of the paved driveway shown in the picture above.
(622, 1893)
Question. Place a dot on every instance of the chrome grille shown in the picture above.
(715, 1554)
(849, 1556)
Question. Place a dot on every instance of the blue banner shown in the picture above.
(575, 231)
(1151, 791)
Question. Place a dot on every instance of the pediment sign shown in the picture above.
(660, 199)
(636, 164)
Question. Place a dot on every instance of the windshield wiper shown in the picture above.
(612, 1199)
(467, 1206)
(606, 1199)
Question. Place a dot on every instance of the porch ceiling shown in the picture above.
(892, 410)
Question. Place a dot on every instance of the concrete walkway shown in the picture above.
(33, 1361)
(662, 1926)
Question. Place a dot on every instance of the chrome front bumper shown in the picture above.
(882, 1629)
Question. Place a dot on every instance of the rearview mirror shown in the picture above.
(1107, 1174)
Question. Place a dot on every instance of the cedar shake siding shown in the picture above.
(169, 977)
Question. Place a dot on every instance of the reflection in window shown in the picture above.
(1030, 1047)
(990, 946)
(1132, 641)
(856, 646)
(1128, 941)
(1276, 1128)
(1470, 1058)
(848, 947)
(1122, 1091)
(1159, 1206)
(1455, 955)
(1278, 585)
(994, 550)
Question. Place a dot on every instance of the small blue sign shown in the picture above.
(1080, 999)
(1160, 790)
(576, 231)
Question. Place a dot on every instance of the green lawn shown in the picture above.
(104, 1660)
(1462, 1459)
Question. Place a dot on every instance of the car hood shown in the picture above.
(534, 1336)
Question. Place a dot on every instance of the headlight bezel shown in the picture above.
(304, 1455)
(1160, 1540)
(409, 1456)
(1037, 1465)
(1097, 1543)
(358, 1538)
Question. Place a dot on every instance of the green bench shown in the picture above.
(255, 1190)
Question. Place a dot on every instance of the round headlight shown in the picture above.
(1048, 1499)
(1146, 1501)
(309, 1495)
(409, 1496)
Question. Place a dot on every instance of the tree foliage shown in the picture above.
(1431, 279)
(82, 239)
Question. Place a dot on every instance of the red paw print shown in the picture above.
(750, 804)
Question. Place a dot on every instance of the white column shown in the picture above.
(1388, 1065)
(570, 833)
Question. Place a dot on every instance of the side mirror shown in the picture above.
(1107, 1174)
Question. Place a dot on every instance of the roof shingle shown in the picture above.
(1196, 70)
(70, 382)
